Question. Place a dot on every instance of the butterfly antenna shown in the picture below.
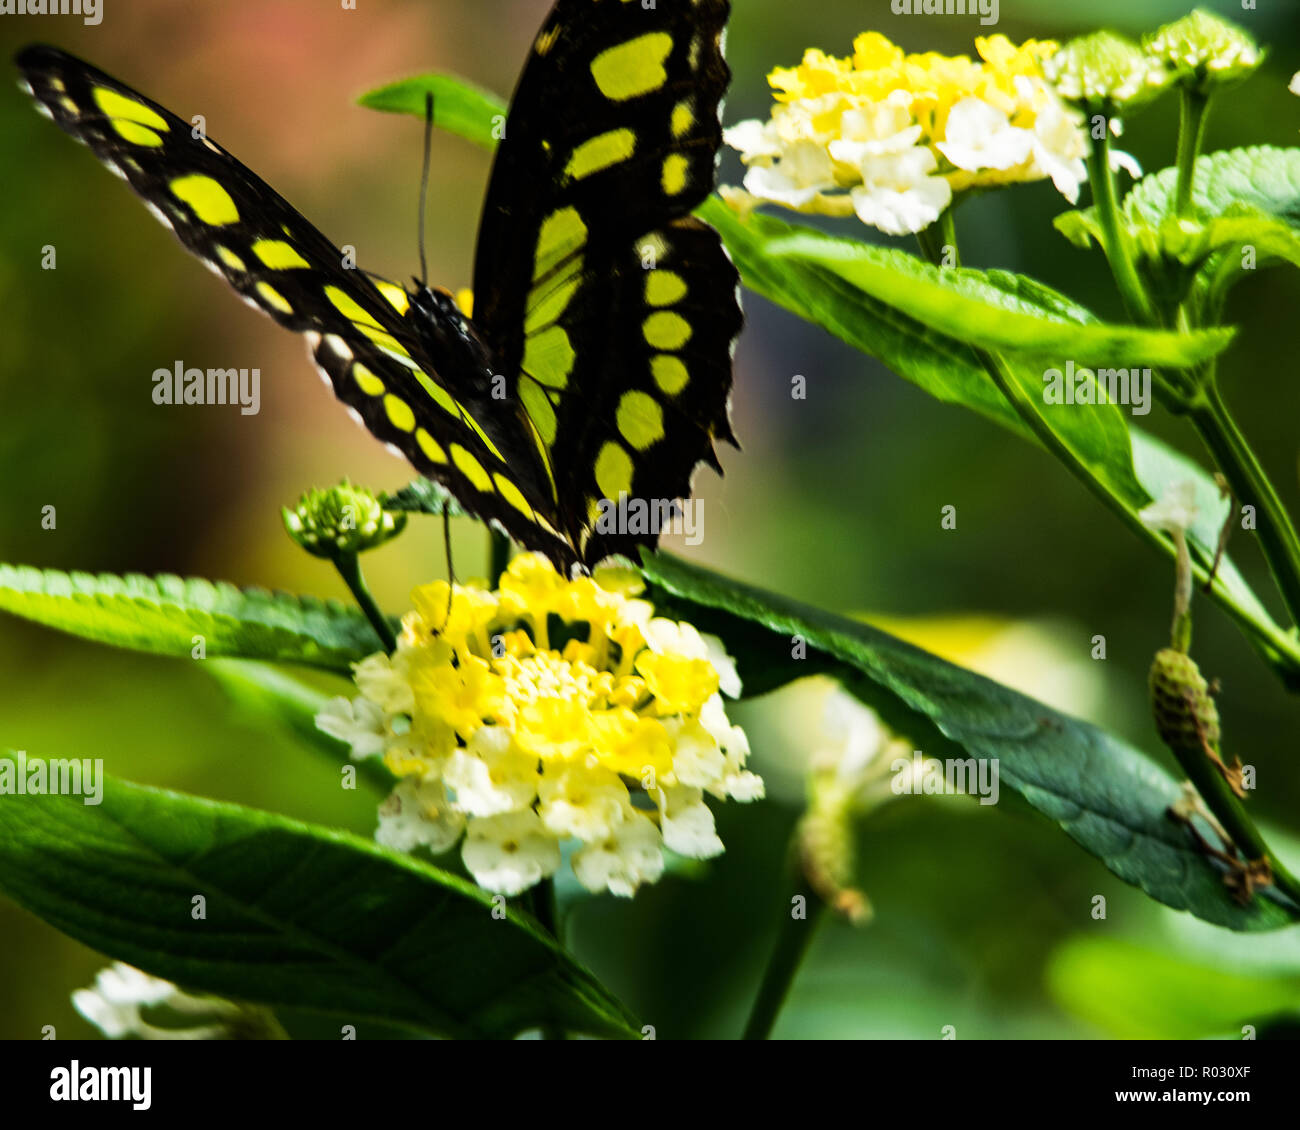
(451, 569)
(424, 181)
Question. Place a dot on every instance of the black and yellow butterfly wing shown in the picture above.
(606, 310)
(617, 311)
(363, 334)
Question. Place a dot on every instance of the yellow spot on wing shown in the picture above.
(136, 134)
(366, 380)
(512, 494)
(539, 409)
(675, 170)
(274, 298)
(441, 397)
(397, 298)
(683, 118)
(613, 470)
(666, 330)
(115, 105)
(549, 357)
(348, 306)
(640, 419)
(430, 446)
(399, 413)
(561, 234)
(212, 204)
(470, 467)
(278, 255)
(663, 288)
(670, 374)
(478, 431)
(387, 342)
(547, 309)
(231, 260)
(600, 152)
(632, 68)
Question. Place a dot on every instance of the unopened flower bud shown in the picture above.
(1204, 51)
(341, 520)
(1107, 74)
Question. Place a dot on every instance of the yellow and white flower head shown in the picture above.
(546, 712)
(891, 137)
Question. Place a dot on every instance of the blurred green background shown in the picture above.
(982, 916)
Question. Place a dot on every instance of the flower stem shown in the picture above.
(1191, 133)
(545, 909)
(1231, 813)
(1115, 239)
(792, 942)
(1251, 485)
(499, 554)
(350, 570)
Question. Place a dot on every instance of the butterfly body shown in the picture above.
(597, 362)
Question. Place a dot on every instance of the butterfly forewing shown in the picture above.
(361, 333)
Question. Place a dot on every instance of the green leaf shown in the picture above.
(459, 106)
(296, 915)
(947, 369)
(423, 496)
(164, 614)
(967, 306)
(1240, 197)
(1100, 436)
(1106, 795)
(1261, 177)
(1138, 994)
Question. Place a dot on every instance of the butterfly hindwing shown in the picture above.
(363, 334)
(620, 316)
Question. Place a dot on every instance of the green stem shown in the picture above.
(499, 554)
(545, 909)
(1284, 646)
(948, 233)
(792, 942)
(350, 570)
(1114, 238)
(1191, 134)
(1251, 484)
(1231, 813)
(1283, 643)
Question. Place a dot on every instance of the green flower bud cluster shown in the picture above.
(1204, 51)
(341, 520)
(1105, 73)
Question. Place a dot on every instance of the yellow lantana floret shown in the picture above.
(546, 711)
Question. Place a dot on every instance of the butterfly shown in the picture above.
(597, 365)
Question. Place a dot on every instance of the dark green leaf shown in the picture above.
(423, 496)
(296, 915)
(951, 371)
(1109, 797)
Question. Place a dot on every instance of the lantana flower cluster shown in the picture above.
(893, 136)
(549, 711)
